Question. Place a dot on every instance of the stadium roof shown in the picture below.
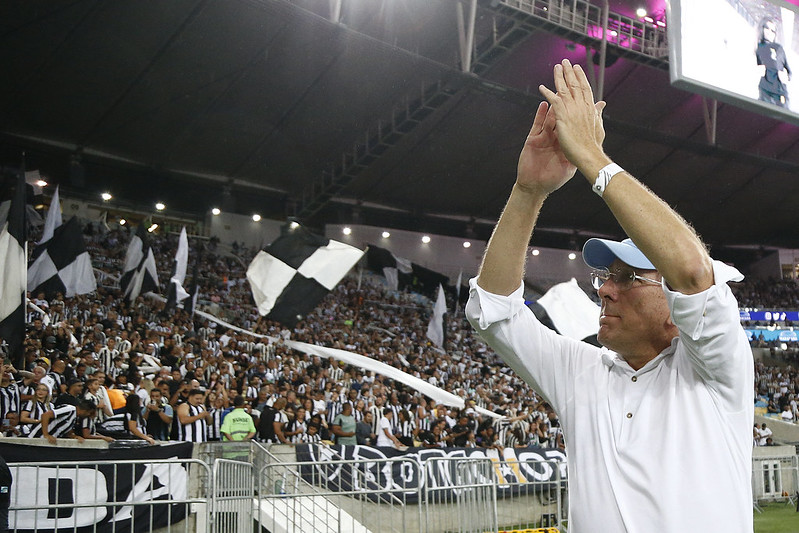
(272, 106)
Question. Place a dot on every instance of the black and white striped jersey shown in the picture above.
(196, 431)
(85, 422)
(9, 400)
(115, 424)
(26, 390)
(62, 423)
(406, 428)
(214, 429)
(35, 410)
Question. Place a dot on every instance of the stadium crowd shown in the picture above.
(98, 366)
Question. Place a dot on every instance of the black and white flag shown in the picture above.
(139, 275)
(401, 273)
(296, 271)
(62, 264)
(176, 293)
(194, 289)
(435, 329)
(53, 219)
(13, 271)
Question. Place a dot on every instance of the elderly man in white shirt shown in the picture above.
(675, 359)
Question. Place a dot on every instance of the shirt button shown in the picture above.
(634, 378)
(629, 415)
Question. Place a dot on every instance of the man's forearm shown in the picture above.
(659, 232)
(503, 264)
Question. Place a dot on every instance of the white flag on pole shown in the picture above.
(435, 330)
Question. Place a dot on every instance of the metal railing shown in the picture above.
(466, 500)
(582, 21)
(340, 495)
(82, 496)
(232, 496)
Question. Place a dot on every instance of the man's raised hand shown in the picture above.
(543, 168)
(578, 119)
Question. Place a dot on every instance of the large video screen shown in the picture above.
(745, 52)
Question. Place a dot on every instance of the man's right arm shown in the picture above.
(542, 169)
(277, 425)
(46, 418)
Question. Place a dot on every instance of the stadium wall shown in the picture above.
(786, 432)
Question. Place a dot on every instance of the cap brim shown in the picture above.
(600, 253)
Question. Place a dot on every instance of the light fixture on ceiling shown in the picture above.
(347, 231)
(106, 196)
(216, 211)
(160, 206)
(425, 239)
(385, 235)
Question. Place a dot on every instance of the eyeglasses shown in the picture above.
(623, 279)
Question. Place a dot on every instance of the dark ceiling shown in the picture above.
(268, 106)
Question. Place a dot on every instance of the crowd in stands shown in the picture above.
(135, 370)
(98, 366)
(768, 293)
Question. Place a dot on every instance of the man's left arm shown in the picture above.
(713, 339)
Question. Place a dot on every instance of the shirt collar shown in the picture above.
(611, 359)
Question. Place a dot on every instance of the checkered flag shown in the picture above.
(13, 262)
(62, 264)
(140, 273)
(296, 271)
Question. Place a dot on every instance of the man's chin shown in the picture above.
(604, 338)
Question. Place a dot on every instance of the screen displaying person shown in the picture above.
(774, 67)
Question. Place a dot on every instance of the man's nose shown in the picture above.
(608, 290)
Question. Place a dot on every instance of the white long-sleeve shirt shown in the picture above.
(666, 448)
